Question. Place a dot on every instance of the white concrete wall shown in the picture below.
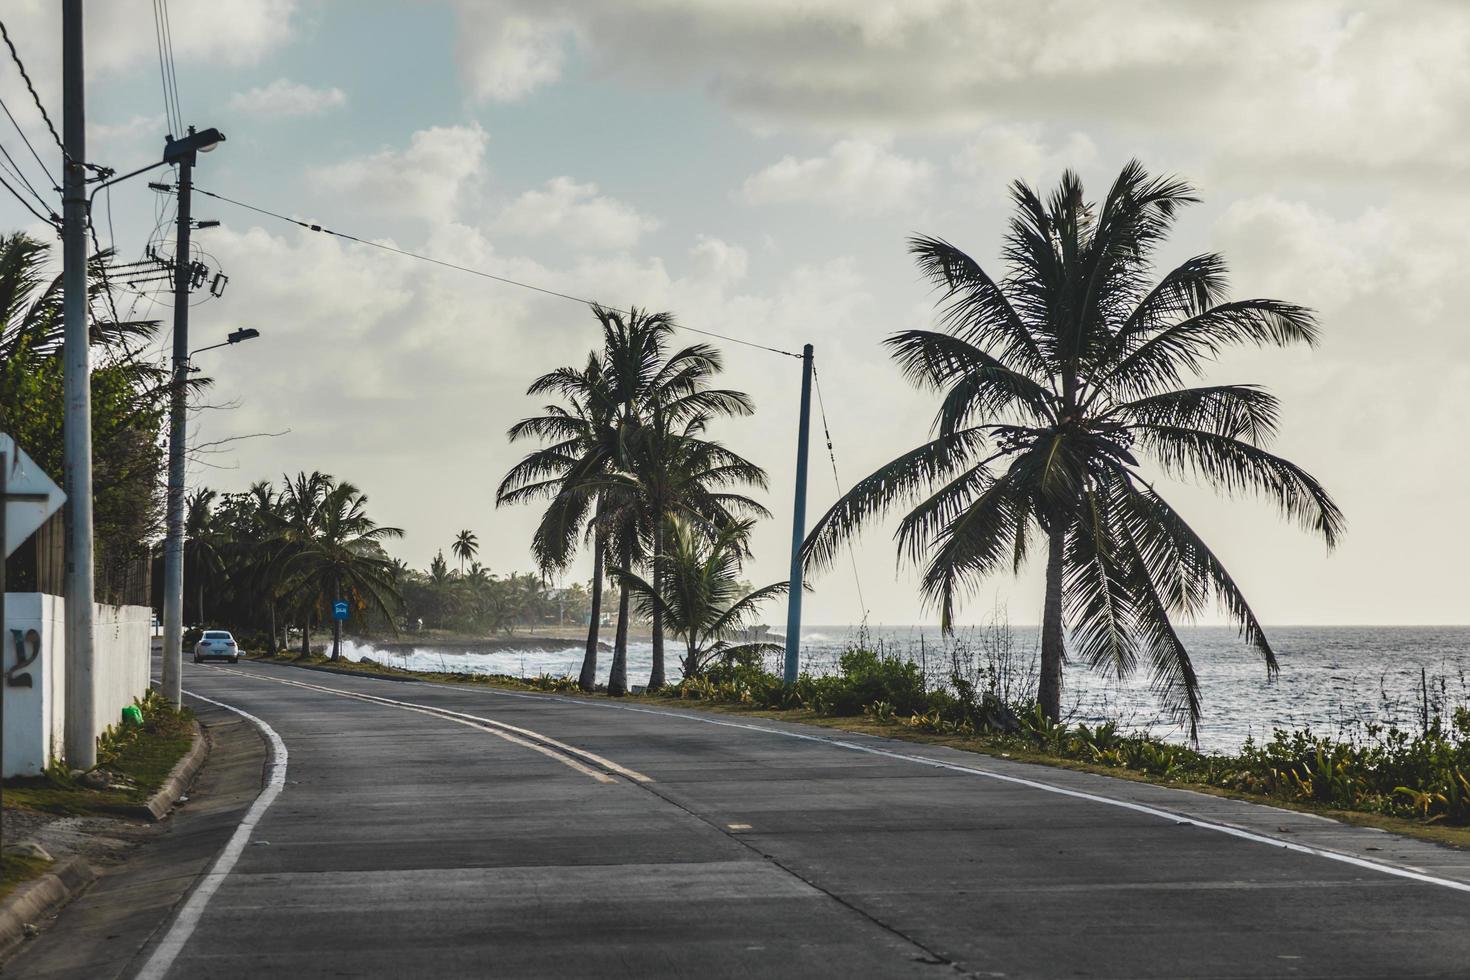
(123, 658)
(35, 716)
(35, 720)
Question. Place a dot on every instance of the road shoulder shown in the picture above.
(104, 933)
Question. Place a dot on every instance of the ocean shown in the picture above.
(1332, 679)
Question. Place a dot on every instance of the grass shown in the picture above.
(16, 870)
(1354, 782)
(137, 757)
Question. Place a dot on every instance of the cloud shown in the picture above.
(286, 98)
(430, 179)
(855, 175)
(505, 54)
(1004, 152)
(576, 214)
(1340, 84)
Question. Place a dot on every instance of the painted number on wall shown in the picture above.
(27, 652)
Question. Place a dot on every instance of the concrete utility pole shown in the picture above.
(183, 152)
(173, 546)
(81, 743)
(798, 523)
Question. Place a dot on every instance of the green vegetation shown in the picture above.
(129, 398)
(1053, 381)
(135, 759)
(624, 452)
(699, 595)
(16, 869)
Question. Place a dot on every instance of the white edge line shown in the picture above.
(183, 926)
(1178, 818)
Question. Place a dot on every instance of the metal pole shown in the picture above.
(798, 523)
(173, 545)
(81, 740)
(4, 637)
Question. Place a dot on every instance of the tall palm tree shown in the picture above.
(296, 523)
(588, 439)
(344, 558)
(202, 545)
(465, 547)
(676, 471)
(1054, 381)
(581, 446)
(699, 592)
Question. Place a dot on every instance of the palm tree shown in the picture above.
(588, 440)
(465, 547)
(582, 444)
(344, 559)
(1053, 382)
(699, 593)
(296, 524)
(202, 546)
(676, 471)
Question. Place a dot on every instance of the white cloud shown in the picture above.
(1004, 152)
(1340, 84)
(283, 97)
(574, 213)
(505, 54)
(855, 175)
(431, 179)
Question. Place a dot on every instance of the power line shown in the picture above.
(475, 272)
(15, 56)
(837, 481)
(27, 204)
(13, 168)
(26, 140)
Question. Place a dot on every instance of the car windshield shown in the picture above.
(216, 635)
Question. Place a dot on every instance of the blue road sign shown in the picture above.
(339, 609)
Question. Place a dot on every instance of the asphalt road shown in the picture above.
(469, 833)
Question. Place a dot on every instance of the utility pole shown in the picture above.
(81, 743)
(181, 152)
(798, 523)
(173, 545)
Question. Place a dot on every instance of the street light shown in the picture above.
(235, 337)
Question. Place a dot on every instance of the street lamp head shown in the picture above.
(177, 150)
(244, 333)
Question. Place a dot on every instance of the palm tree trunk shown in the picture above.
(656, 675)
(270, 648)
(306, 635)
(588, 680)
(617, 678)
(1053, 643)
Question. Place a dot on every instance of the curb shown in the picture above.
(41, 898)
(156, 807)
(341, 670)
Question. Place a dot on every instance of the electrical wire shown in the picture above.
(13, 169)
(837, 481)
(474, 272)
(15, 57)
(27, 204)
(164, 39)
(26, 140)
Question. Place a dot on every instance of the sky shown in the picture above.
(756, 169)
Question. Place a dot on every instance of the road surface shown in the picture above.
(417, 830)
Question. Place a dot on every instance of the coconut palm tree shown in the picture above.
(465, 547)
(202, 545)
(676, 471)
(344, 558)
(699, 594)
(1056, 384)
(296, 523)
(587, 443)
(581, 446)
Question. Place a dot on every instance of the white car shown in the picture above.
(216, 645)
